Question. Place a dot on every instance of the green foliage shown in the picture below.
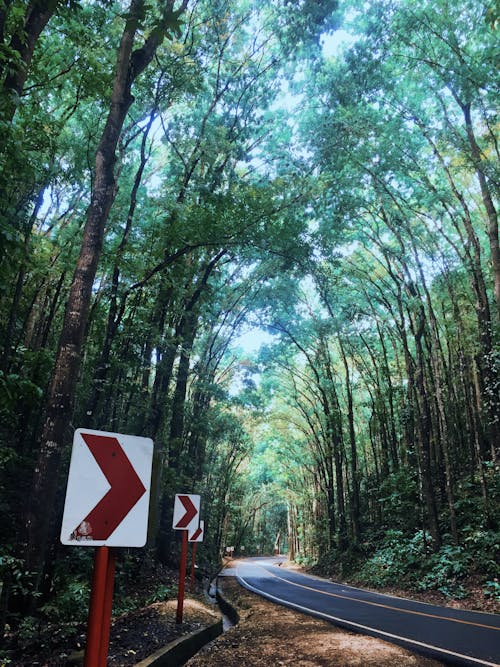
(14, 390)
(137, 585)
(444, 570)
(301, 23)
(124, 603)
(409, 561)
(160, 594)
(14, 574)
(484, 550)
(70, 588)
(398, 496)
(304, 561)
(71, 601)
(492, 589)
(28, 632)
(398, 559)
(37, 636)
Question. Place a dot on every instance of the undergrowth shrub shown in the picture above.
(303, 560)
(398, 560)
(444, 569)
(491, 590)
(70, 604)
(484, 548)
(70, 593)
(398, 495)
(409, 561)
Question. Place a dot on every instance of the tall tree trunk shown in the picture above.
(438, 363)
(115, 314)
(355, 476)
(184, 337)
(392, 437)
(425, 425)
(176, 434)
(334, 426)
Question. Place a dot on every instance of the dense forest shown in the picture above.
(265, 235)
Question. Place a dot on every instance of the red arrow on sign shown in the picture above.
(126, 488)
(191, 512)
(194, 537)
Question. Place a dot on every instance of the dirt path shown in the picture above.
(270, 636)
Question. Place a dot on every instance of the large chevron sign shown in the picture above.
(107, 498)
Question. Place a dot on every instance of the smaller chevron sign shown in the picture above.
(186, 512)
(197, 536)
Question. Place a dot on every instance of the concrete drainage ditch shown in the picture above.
(180, 650)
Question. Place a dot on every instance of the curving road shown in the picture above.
(451, 635)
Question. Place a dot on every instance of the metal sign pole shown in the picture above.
(182, 577)
(107, 607)
(101, 602)
(193, 558)
(96, 608)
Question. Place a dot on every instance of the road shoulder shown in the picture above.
(268, 634)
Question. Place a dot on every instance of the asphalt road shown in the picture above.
(450, 635)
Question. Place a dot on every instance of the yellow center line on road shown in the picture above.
(378, 604)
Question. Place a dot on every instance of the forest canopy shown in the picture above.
(178, 177)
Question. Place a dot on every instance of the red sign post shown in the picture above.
(186, 513)
(101, 602)
(196, 537)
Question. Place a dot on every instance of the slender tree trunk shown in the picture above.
(355, 476)
(425, 437)
(115, 314)
(438, 362)
(292, 532)
(185, 335)
(337, 444)
(392, 437)
(165, 344)
(176, 434)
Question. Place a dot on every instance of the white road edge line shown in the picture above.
(374, 592)
(362, 627)
(372, 602)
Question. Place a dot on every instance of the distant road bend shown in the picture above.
(450, 635)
